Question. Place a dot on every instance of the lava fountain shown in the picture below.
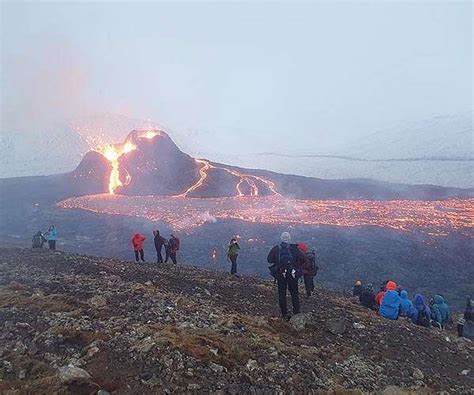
(113, 152)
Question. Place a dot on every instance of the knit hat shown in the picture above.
(285, 237)
(391, 286)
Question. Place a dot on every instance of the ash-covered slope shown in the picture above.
(77, 324)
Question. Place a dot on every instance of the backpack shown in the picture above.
(313, 268)
(37, 241)
(423, 319)
(285, 259)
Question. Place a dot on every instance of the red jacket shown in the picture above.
(137, 241)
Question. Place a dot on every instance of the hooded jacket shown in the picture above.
(440, 310)
(419, 309)
(390, 306)
(137, 241)
(52, 234)
(405, 304)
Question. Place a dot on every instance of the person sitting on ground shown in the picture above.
(440, 311)
(52, 235)
(381, 293)
(466, 324)
(309, 269)
(159, 241)
(390, 306)
(232, 254)
(286, 266)
(420, 314)
(356, 291)
(367, 297)
(405, 305)
(137, 243)
(38, 240)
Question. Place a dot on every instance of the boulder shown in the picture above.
(336, 326)
(70, 373)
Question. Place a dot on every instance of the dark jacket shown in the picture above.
(298, 256)
(356, 291)
(367, 299)
(160, 241)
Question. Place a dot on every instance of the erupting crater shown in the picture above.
(148, 176)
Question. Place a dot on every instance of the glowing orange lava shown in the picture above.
(435, 218)
(113, 152)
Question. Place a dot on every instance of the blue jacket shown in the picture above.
(390, 306)
(405, 305)
(420, 308)
(52, 234)
(440, 310)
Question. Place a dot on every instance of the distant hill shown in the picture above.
(81, 324)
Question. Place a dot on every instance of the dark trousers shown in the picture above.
(288, 282)
(52, 244)
(308, 284)
(233, 268)
(139, 254)
(159, 257)
(173, 257)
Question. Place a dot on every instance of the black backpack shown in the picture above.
(423, 319)
(285, 259)
(37, 241)
(313, 268)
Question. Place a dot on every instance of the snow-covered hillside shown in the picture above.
(433, 151)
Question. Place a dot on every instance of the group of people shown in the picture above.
(50, 236)
(171, 247)
(393, 302)
(289, 262)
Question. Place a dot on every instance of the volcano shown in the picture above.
(148, 163)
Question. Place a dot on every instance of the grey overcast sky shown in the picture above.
(309, 74)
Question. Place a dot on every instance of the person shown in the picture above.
(38, 240)
(137, 243)
(160, 241)
(232, 254)
(420, 314)
(367, 297)
(174, 245)
(466, 323)
(309, 269)
(286, 262)
(356, 291)
(380, 294)
(390, 306)
(405, 305)
(52, 235)
(440, 311)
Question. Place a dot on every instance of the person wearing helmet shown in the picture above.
(286, 266)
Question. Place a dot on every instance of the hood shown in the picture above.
(391, 286)
(419, 302)
(404, 294)
(438, 299)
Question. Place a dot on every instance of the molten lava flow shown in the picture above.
(113, 152)
(243, 178)
(435, 218)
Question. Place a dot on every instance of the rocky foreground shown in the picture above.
(86, 325)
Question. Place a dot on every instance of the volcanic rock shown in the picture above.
(70, 373)
(336, 326)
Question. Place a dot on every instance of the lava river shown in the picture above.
(437, 218)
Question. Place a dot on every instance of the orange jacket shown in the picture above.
(137, 241)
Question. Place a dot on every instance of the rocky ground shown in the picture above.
(85, 325)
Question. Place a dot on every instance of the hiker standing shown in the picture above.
(160, 241)
(137, 243)
(309, 269)
(287, 261)
(38, 240)
(52, 235)
(174, 245)
(357, 290)
(232, 254)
